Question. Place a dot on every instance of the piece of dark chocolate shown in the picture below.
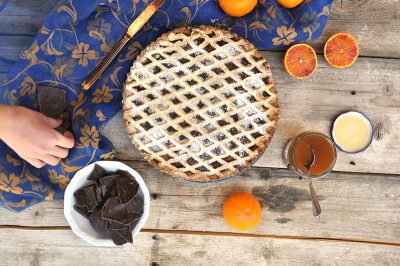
(98, 192)
(134, 223)
(113, 210)
(83, 211)
(108, 187)
(80, 198)
(135, 205)
(97, 173)
(126, 188)
(112, 225)
(124, 173)
(98, 223)
(117, 238)
(125, 234)
(66, 122)
(130, 218)
(91, 199)
(52, 101)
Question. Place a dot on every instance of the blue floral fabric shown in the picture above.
(77, 34)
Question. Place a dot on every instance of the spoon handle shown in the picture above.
(315, 202)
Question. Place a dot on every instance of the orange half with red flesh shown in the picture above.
(341, 50)
(300, 61)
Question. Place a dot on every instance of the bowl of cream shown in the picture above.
(352, 132)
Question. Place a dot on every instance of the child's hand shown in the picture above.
(33, 137)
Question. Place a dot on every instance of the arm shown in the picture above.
(32, 135)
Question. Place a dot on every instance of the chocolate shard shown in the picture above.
(130, 218)
(91, 199)
(80, 198)
(134, 223)
(126, 188)
(108, 187)
(135, 205)
(112, 225)
(125, 234)
(98, 223)
(66, 122)
(98, 193)
(117, 238)
(52, 101)
(83, 211)
(97, 173)
(114, 210)
(124, 173)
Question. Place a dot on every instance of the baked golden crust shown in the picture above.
(200, 104)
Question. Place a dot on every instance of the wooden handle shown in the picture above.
(103, 64)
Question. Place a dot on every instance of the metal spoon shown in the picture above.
(309, 163)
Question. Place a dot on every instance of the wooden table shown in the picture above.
(360, 221)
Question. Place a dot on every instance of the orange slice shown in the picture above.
(300, 61)
(341, 50)
(242, 211)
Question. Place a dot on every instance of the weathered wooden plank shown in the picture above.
(369, 86)
(24, 17)
(64, 248)
(11, 48)
(355, 206)
(34, 8)
(375, 24)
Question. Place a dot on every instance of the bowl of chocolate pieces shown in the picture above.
(107, 203)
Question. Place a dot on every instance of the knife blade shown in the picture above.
(136, 25)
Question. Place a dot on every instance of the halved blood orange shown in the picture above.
(341, 50)
(300, 61)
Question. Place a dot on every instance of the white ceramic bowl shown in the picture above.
(363, 118)
(79, 224)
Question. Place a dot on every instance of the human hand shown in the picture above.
(33, 137)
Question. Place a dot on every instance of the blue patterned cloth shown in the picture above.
(77, 34)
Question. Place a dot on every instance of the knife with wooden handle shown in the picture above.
(132, 30)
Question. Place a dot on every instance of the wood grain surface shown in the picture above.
(43, 247)
(354, 206)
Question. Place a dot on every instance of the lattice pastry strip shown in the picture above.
(200, 103)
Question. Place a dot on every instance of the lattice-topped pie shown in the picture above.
(200, 104)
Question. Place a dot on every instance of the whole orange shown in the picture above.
(242, 211)
(237, 8)
(290, 3)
